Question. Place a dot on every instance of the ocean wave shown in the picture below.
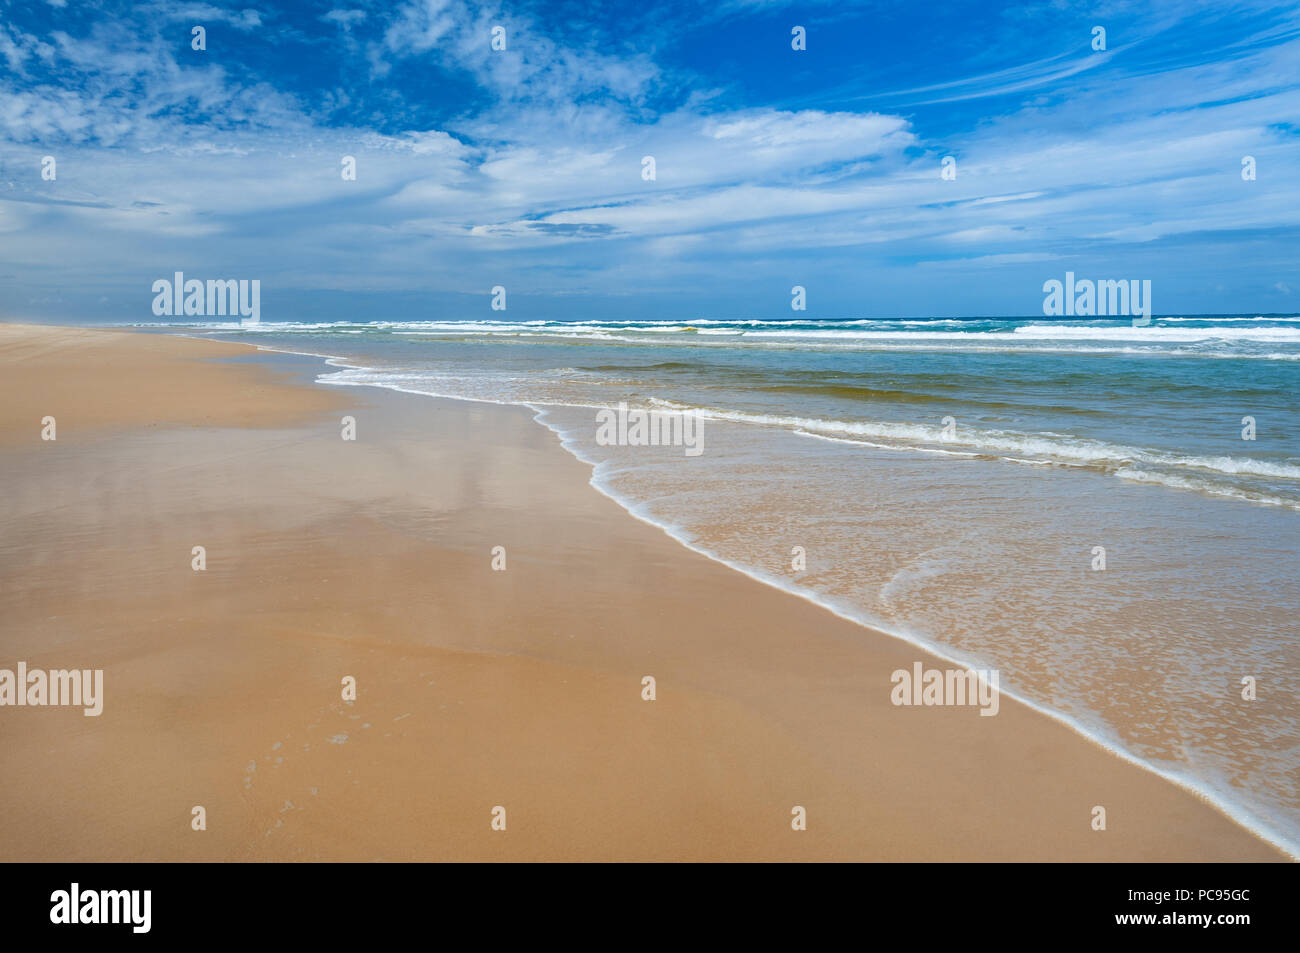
(1204, 486)
(1156, 333)
(1214, 337)
(1078, 450)
(1036, 448)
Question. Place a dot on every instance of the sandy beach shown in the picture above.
(475, 688)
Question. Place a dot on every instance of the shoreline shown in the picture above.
(1234, 812)
(780, 737)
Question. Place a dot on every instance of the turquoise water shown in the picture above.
(949, 481)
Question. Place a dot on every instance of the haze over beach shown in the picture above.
(455, 431)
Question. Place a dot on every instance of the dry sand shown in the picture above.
(372, 558)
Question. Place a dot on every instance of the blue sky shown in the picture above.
(522, 167)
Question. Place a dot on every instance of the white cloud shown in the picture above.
(344, 18)
(203, 13)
